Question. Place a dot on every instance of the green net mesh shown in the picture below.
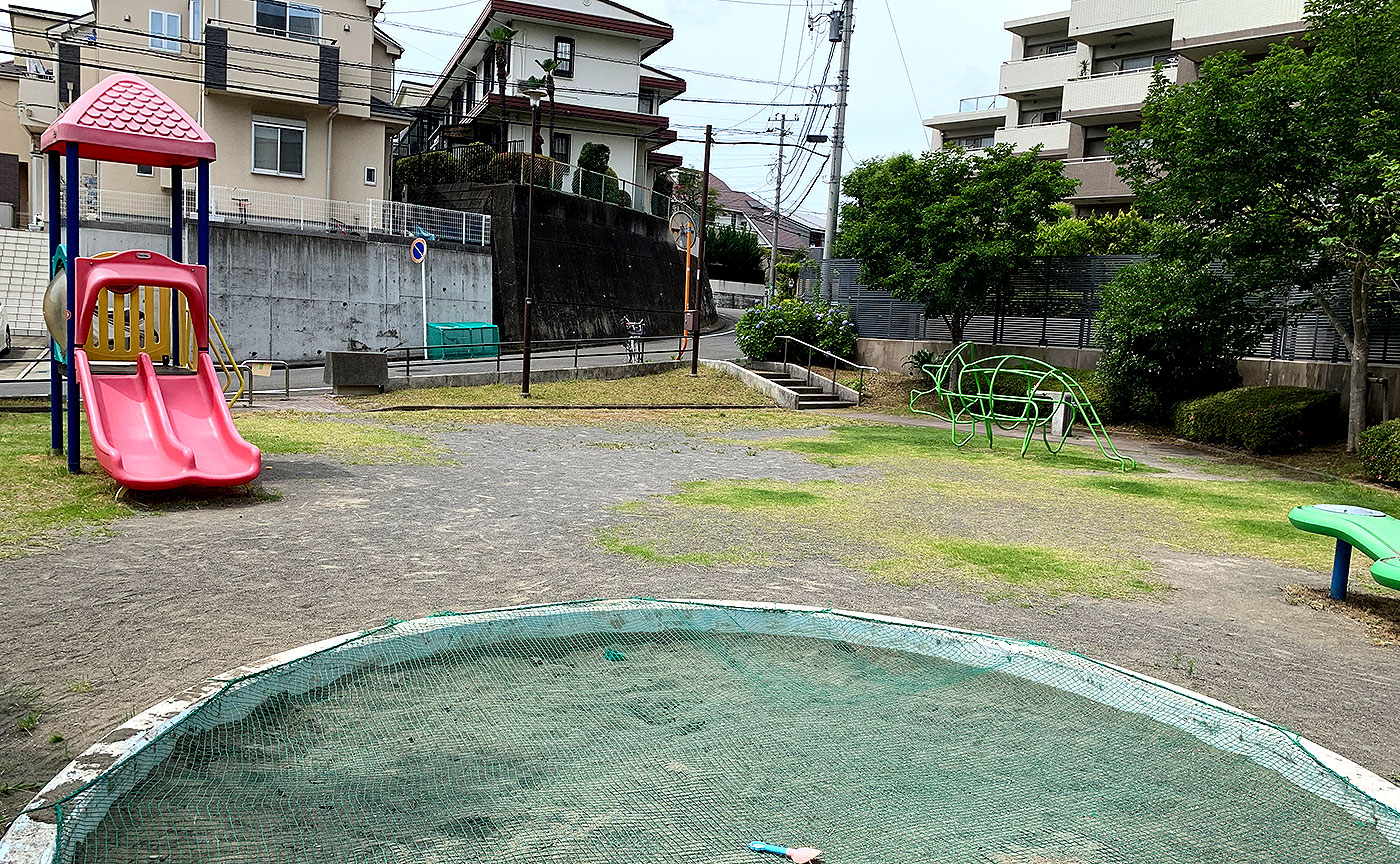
(657, 731)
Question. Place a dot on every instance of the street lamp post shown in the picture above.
(535, 93)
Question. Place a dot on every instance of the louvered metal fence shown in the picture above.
(1053, 303)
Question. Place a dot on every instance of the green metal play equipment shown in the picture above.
(1371, 531)
(1008, 391)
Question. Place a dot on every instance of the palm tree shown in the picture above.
(549, 66)
(500, 47)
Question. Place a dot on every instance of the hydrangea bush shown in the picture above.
(827, 327)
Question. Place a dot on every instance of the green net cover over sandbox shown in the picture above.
(650, 731)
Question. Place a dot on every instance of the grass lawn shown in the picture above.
(711, 387)
(911, 508)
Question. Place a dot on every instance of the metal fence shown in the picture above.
(1054, 302)
(234, 206)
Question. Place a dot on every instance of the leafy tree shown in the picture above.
(1124, 233)
(1279, 169)
(428, 169)
(661, 190)
(734, 255)
(947, 228)
(689, 183)
(549, 67)
(593, 168)
(1171, 330)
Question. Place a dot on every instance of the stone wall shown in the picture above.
(594, 263)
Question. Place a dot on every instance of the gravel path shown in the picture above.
(176, 596)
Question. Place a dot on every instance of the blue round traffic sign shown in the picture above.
(419, 250)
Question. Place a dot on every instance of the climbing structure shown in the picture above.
(1010, 391)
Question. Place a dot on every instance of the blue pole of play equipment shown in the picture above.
(203, 202)
(1341, 566)
(55, 370)
(74, 453)
(177, 253)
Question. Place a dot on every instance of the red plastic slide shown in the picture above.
(159, 431)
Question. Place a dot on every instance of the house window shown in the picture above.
(165, 31)
(646, 102)
(371, 175)
(145, 171)
(564, 53)
(561, 147)
(279, 147)
(1147, 62)
(456, 106)
(470, 90)
(296, 20)
(196, 20)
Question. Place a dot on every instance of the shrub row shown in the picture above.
(1261, 419)
(829, 328)
(1379, 449)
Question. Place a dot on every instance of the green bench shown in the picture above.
(1371, 531)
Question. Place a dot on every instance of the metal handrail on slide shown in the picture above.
(225, 364)
(835, 358)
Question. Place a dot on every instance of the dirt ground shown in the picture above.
(101, 628)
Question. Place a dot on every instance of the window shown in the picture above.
(371, 175)
(145, 171)
(1148, 61)
(165, 31)
(296, 20)
(646, 102)
(561, 147)
(973, 142)
(470, 90)
(564, 53)
(196, 20)
(456, 116)
(1052, 49)
(279, 147)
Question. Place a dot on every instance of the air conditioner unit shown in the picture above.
(164, 177)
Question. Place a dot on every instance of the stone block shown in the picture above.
(355, 373)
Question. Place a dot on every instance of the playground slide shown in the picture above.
(1371, 531)
(157, 431)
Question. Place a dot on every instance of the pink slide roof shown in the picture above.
(125, 119)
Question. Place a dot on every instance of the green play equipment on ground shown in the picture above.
(1371, 531)
(1010, 390)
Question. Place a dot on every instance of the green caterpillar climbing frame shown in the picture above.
(1009, 391)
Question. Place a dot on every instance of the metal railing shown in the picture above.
(634, 349)
(1170, 64)
(981, 103)
(234, 206)
(789, 341)
(251, 366)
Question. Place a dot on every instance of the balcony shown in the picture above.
(1051, 137)
(1098, 181)
(263, 63)
(1206, 25)
(1110, 96)
(975, 114)
(1035, 74)
(37, 99)
(1096, 21)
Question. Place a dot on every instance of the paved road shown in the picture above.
(26, 371)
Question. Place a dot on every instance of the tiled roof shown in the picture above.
(126, 119)
(793, 233)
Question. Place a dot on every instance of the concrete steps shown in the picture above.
(808, 396)
(24, 274)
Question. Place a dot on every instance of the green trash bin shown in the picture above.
(462, 340)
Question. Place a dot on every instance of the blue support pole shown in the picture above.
(55, 369)
(203, 202)
(177, 253)
(1341, 567)
(74, 443)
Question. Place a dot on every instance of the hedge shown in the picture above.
(829, 328)
(1261, 419)
(1379, 449)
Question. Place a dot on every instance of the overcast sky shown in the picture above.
(953, 48)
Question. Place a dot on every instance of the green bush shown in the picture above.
(829, 328)
(1379, 449)
(510, 168)
(1261, 419)
(476, 160)
(429, 169)
(1170, 331)
(592, 170)
(734, 255)
(1124, 233)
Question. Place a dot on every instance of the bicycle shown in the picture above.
(636, 348)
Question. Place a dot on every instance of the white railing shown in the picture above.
(981, 103)
(234, 206)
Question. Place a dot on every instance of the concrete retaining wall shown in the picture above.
(292, 296)
(538, 376)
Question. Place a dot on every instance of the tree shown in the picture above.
(550, 66)
(592, 171)
(536, 140)
(499, 38)
(689, 182)
(1124, 233)
(947, 228)
(734, 255)
(1277, 170)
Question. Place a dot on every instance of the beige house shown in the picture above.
(605, 91)
(1073, 76)
(298, 97)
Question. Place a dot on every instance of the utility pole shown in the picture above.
(777, 206)
(842, 23)
(700, 253)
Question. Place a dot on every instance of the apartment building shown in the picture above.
(1073, 76)
(296, 96)
(604, 91)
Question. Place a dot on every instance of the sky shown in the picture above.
(948, 49)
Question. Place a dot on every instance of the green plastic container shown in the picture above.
(461, 340)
